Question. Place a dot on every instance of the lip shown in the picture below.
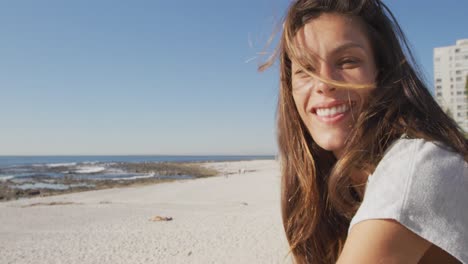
(333, 118)
(313, 109)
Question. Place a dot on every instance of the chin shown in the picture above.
(331, 142)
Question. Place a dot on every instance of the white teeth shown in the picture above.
(332, 110)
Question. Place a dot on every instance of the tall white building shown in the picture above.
(451, 80)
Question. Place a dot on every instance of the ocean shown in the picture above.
(30, 169)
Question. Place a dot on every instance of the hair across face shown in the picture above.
(334, 55)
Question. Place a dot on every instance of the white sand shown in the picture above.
(234, 219)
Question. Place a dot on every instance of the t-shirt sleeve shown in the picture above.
(424, 187)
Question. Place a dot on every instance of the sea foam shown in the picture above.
(89, 169)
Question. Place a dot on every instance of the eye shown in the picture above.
(300, 73)
(349, 63)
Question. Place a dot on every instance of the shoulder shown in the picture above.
(413, 163)
(411, 155)
(423, 186)
(412, 170)
(435, 174)
(422, 174)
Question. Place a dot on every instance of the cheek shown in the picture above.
(300, 104)
(364, 94)
(370, 73)
(359, 76)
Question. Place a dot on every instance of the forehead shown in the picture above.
(329, 32)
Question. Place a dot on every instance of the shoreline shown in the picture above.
(150, 173)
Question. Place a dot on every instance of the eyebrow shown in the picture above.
(348, 45)
(341, 48)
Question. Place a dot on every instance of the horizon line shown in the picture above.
(166, 155)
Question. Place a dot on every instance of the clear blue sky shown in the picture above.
(158, 77)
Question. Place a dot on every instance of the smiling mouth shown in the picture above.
(334, 110)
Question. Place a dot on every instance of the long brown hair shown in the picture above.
(319, 198)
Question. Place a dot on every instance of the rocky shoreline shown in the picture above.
(44, 185)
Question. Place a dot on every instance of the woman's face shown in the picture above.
(343, 53)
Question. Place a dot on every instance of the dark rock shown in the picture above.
(34, 192)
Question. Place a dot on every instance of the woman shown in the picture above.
(373, 171)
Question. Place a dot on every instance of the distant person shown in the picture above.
(373, 171)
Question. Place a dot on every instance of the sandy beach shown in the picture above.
(231, 218)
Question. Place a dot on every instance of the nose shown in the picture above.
(322, 86)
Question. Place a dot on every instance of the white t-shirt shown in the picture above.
(424, 187)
